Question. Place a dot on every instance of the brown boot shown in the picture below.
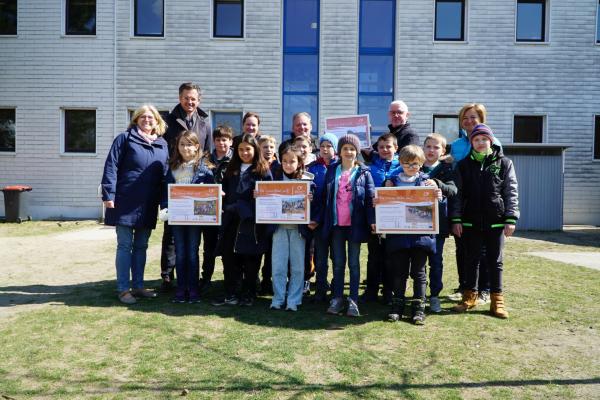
(497, 306)
(469, 300)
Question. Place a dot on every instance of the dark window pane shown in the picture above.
(301, 24)
(528, 129)
(447, 126)
(228, 19)
(8, 17)
(376, 74)
(294, 103)
(233, 119)
(377, 24)
(80, 131)
(377, 108)
(597, 139)
(7, 129)
(449, 20)
(149, 17)
(597, 23)
(530, 21)
(301, 72)
(81, 17)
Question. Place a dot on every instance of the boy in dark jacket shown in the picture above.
(485, 211)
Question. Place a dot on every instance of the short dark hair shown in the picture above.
(222, 131)
(189, 86)
(388, 136)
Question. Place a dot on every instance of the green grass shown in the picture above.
(37, 228)
(93, 347)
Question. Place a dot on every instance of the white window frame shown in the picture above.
(532, 114)
(132, 34)
(62, 132)
(547, 22)
(63, 22)
(465, 27)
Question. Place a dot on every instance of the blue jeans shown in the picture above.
(187, 261)
(288, 244)
(436, 267)
(321, 260)
(131, 256)
(340, 235)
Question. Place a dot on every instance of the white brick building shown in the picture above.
(44, 70)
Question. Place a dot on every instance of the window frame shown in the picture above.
(16, 23)
(596, 124)
(212, 113)
(134, 22)
(533, 115)
(214, 20)
(545, 22)
(65, 22)
(14, 150)
(597, 37)
(463, 33)
(63, 132)
(433, 129)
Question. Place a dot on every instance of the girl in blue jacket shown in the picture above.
(187, 167)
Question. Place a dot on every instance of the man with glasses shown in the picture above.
(398, 116)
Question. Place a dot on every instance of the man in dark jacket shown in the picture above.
(398, 116)
(187, 115)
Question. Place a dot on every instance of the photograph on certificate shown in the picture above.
(194, 204)
(406, 210)
(351, 124)
(282, 202)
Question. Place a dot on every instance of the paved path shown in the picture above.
(583, 259)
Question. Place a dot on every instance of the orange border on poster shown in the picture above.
(282, 189)
(181, 191)
(409, 194)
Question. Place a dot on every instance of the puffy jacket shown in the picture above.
(487, 192)
(134, 174)
(382, 170)
(319, 169)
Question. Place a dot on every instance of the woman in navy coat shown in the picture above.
(134, 170)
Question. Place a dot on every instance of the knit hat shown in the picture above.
(348, 139)
(329, 137)
(482, 129)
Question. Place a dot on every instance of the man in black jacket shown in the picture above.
(398, 116)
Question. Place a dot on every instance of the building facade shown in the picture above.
(72, 71)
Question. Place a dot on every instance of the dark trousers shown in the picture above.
(210, 235)
(436, 267)
(187, 241)
(167, 254)
(493, 241)
(267, 269)
(376, 271)
(403, 263)
(309, 269)
(240, 272)
(461, 265)
(321, 252)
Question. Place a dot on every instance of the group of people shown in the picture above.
(475, 184)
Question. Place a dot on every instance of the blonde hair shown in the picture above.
(411, 152)
(267, 138)
(308, 139)
(437, 137)
(479, 109)
(160, 127)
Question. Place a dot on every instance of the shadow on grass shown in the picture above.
(577, 237)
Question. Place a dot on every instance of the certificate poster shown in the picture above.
(282, 202)
(194, 204)
(412, 209)
(355, 124)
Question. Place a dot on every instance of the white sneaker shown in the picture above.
(483, 298)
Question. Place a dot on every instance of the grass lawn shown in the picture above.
(90, 346)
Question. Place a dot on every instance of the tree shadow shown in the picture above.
(587, 237)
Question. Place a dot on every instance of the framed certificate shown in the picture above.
(355, 124)
(194, 204)
(282, 202)
(411, 209)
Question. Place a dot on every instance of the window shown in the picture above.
(528, 129)
(450, 20)
(447, 126)
(300, 62)
(376, 62)
(228, 18)
(80, 17)
(596, 138)
(149, 18)
(8, 17)
(597, 23)
(231, 118)
(7, 129)
(531, 20)
(80, 131)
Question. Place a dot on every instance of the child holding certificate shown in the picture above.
(187, 167)
(347, 218)
(289, 240)
(407, 253)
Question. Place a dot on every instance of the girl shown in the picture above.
(289, 240)
(241, 241)
(187, 167)
(346, 217)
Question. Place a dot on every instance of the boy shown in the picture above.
(267, 149)
(485, 211)
(384, 165)
(327, 144)
(443, 175)
(304, 145)
(408, 253)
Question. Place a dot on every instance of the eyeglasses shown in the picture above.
(411, 165)
(397, 112)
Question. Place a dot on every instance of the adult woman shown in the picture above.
(133, 173)
(250, 126)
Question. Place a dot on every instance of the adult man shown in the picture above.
(398, 116)
(187, 115)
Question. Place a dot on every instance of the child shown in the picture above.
(304, 145)
(241, 241)
(327, 147)
(487, 183)
(443, 175)
(289, 240)
(187, 167)
(267, 149)
(347, 218)
(384, 166)
(408, 253)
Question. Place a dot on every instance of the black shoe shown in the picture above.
(319, 297)
(368, 297)
(246, 302)
(178, 300)
(418, 312)
(203, 286)
(397, 310)
(266, 288)
(226, 301)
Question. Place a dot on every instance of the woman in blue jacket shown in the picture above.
(134, 171)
